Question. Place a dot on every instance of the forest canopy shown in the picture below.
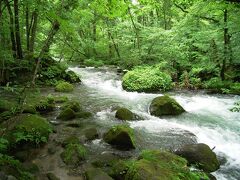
(196, 40)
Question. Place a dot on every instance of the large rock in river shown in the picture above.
(161, 165)
(165, 105)
(200, 155)
(125, 114)
(122, 136)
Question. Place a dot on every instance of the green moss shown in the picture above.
(146, 79)
(6, 105)
(64, 87)
(27, 128)
(66, 114)
(58, 99)
(74, 105)
(122, 136)
(70, 140)
(29, 109)
(10, 166)
(165, 105)
(124, 114)
(74, 154)
(162, 165)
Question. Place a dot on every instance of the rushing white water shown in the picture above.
(208, 117)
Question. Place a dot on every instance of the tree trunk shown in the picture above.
(11, 27)
(46, 46)
(226, 45)
(33, 30)
(135, 29)
(17, 31)
(27, 26)
(94, 33)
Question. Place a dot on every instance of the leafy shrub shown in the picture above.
(93, 63)
(236, 108)
(3, 144)
(63, 87)
(235, 88)
(147, 79)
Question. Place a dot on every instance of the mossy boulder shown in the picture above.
(200, 155)
(6, 105)
(72, 77)
(146, 79)
(27, 128)
(165, 105)
(66, 114)
(64, 87)
(29, 109)
(74, 105)
(121, 136)
(91, 133)
(13, 169)
(44, 105)
(161, 165)
(96, 174)
(57, 99)
(125, 114)
(74, 154)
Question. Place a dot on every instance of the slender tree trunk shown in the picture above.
(135, 29)
(17, 30)
(94, 33)
(11, 27)
(226, 45)
(115, 45)
(33, 30)
(27, 26)
(46, 46)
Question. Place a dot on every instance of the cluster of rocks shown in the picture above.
(29, 129)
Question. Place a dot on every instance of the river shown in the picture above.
(208, 119)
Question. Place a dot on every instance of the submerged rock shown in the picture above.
(70, 140)
(125, 114)
(200, 155)
(66, 114)
(122, 136)
(165, 105)
(91, 134)
(96, 174)
(83, 114)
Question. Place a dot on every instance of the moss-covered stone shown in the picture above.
(83, 114)
(74, 154)
(44, 105)
(165, 105)
(64, 87)
(52, 176)
(72, 77)
(200, 155)
(121, 136)
(13, 168)
(70, 140)
(91, 134)
(161, 165)
(27, 128)
(74, 105)
(96, 174)
(29, 109)
(124, 114)
(66, 114)
(6, 105)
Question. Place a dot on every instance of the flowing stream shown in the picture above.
(208, 119)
